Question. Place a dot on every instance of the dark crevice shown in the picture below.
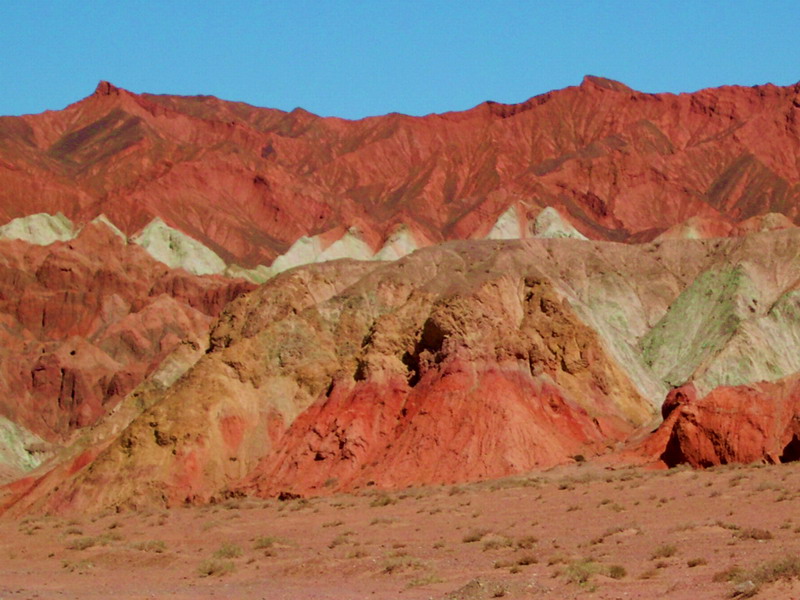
(791, 451)
(673, 455)
(428, 346)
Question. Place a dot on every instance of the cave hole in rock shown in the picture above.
(791, 452)
(431, 340)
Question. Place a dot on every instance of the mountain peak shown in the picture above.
(104, 88)
(604, 83)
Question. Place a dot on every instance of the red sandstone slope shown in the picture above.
(85, 321)
(247, 182)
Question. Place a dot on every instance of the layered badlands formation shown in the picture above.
(486, 320)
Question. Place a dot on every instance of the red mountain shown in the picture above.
(468, 360)
(247, 182)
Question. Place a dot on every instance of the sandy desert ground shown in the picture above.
(571, 532)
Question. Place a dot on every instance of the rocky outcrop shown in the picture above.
(86, 320)
(731, 424)
(737, 322)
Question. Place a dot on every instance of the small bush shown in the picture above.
(781, 569)
(264, 542)
(729, 574)
(474, 536)
(333, 524)
(426, 580)
(616, 572)
(339, 540)
(664, 551)
(228, 551)
(209, 568)
(106, 538)
(526, 542)
(495, 542)
(581, 571)
(81, 566)
(696, 562)
(81, 543)
(398, 564)
(382, 500)
(156, 546)
(753, 533)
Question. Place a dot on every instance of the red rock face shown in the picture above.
(85, 321)
(247, 182)
(740, 424)
(462, 422)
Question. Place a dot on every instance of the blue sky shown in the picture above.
(353, 59)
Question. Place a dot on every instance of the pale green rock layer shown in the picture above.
(177, 250)
(180, 251)
(17, 447)
(507, 226)
(41, 229)
(550, 224)
(698, 325)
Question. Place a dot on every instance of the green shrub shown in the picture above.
(228, 551)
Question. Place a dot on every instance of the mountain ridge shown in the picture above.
(556, 267)
(135, 157)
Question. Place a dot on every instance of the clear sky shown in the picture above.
(357, 58)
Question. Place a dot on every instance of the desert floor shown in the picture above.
(572, 532)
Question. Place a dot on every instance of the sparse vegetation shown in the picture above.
(753, 533)
(581, 571)
(749, 583)
(333, 524)
(664, 551)
(339, 540)
(728, 574)
(80, 566)
(156, 546)
(396, 564)
(264, 542)
(383, 500)
(494, 542)
(616, 572)
(429, 579)
(215, 568)
(81, 543)
(696, 562)
(473, 536)
(228, 550)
